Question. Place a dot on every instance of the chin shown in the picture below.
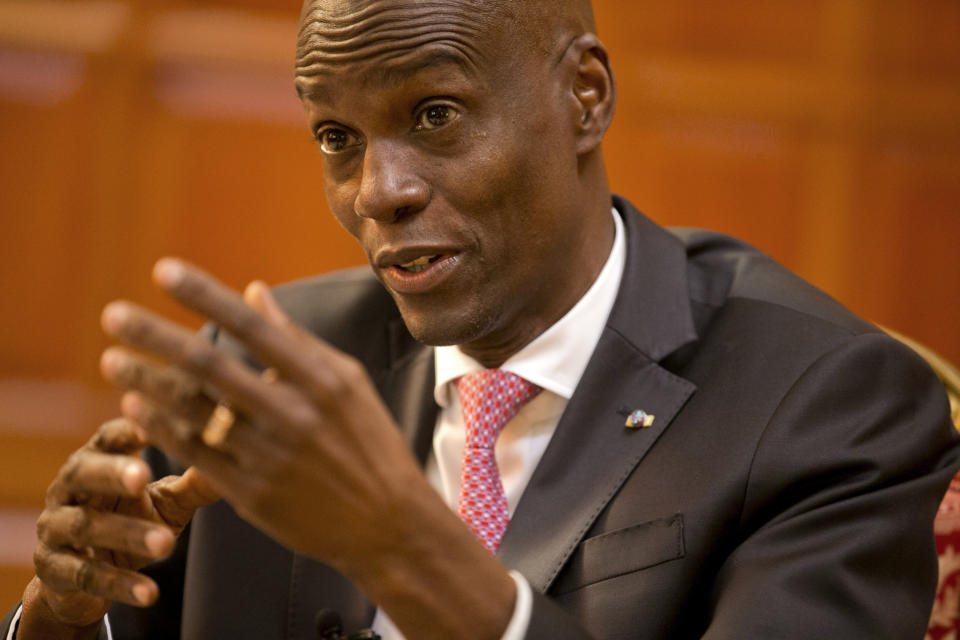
(438, 329)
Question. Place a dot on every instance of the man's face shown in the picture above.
(448, 152)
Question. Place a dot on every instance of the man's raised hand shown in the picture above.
(314, 458)
(311, 456)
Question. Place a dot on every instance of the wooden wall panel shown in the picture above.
(906, 260)
(826, 132)
(40, 226)
(778, 31)
(725, 162)
(915, 39)
(786, 118)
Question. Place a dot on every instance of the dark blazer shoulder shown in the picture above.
(753, 314)
(724, 269)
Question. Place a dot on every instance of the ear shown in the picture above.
(594, 91)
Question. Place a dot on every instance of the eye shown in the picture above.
(335, 139)
(435, 116)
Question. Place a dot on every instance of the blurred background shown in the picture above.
(826, 132)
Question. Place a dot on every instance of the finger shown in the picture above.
(175, 389)
(328, 375)
(79, 527)
(185, 445)
(88, 473)
(241, 385)
(202, 293)
(176, 498)
(258, 297)
(65, 571)
(242, 442)
(118, 436)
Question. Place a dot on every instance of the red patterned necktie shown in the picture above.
(489, 398)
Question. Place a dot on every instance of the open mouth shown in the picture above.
(418, 270)
(418, 265)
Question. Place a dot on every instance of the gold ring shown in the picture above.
(223, 417)
(218, 426)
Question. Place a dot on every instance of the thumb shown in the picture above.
(176, 498)
(257, 295)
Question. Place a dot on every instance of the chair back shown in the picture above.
(948, 374)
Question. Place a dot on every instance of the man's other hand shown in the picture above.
(102, 522)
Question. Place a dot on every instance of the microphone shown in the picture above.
(330, 627)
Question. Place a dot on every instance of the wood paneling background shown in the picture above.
(827, 132)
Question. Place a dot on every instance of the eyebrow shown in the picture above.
(396, 74)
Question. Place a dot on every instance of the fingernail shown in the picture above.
(168, 272)
(133, 477)
(142, 593)
(111, 361)
(113, 317)
(130, 404)
(251, 292)
(157, 542)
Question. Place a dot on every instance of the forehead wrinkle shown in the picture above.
(375, 11)
(320, 21)
(375, 31)
(458, 50)
(386, 74)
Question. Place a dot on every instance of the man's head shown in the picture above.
(461, 147)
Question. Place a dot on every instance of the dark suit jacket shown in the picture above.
(786, 489)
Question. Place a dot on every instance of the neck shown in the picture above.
(597, 236)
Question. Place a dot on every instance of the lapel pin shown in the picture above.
(639, 419)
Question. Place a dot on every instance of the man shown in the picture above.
(709, 447)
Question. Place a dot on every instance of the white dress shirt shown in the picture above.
(555, 361)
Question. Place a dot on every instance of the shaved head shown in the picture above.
(543, 22)
(541, 26)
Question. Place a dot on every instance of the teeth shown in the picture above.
(418, 265)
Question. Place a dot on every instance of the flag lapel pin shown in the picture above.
(639, 419)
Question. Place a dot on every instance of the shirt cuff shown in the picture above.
(522, 609)
(15, 622)
(12, 631)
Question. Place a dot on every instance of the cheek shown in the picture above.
(340, 198)
(529, 156)
(493, 179)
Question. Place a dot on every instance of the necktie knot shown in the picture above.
(489, 399)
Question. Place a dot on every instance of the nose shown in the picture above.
(390, 188)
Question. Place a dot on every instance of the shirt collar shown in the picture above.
(556, 359)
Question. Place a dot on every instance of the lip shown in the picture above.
(389, 256)
(406, 282)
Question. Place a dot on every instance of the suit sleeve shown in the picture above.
(837, 524)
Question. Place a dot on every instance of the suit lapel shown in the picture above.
(592, 451)
(407, 389)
